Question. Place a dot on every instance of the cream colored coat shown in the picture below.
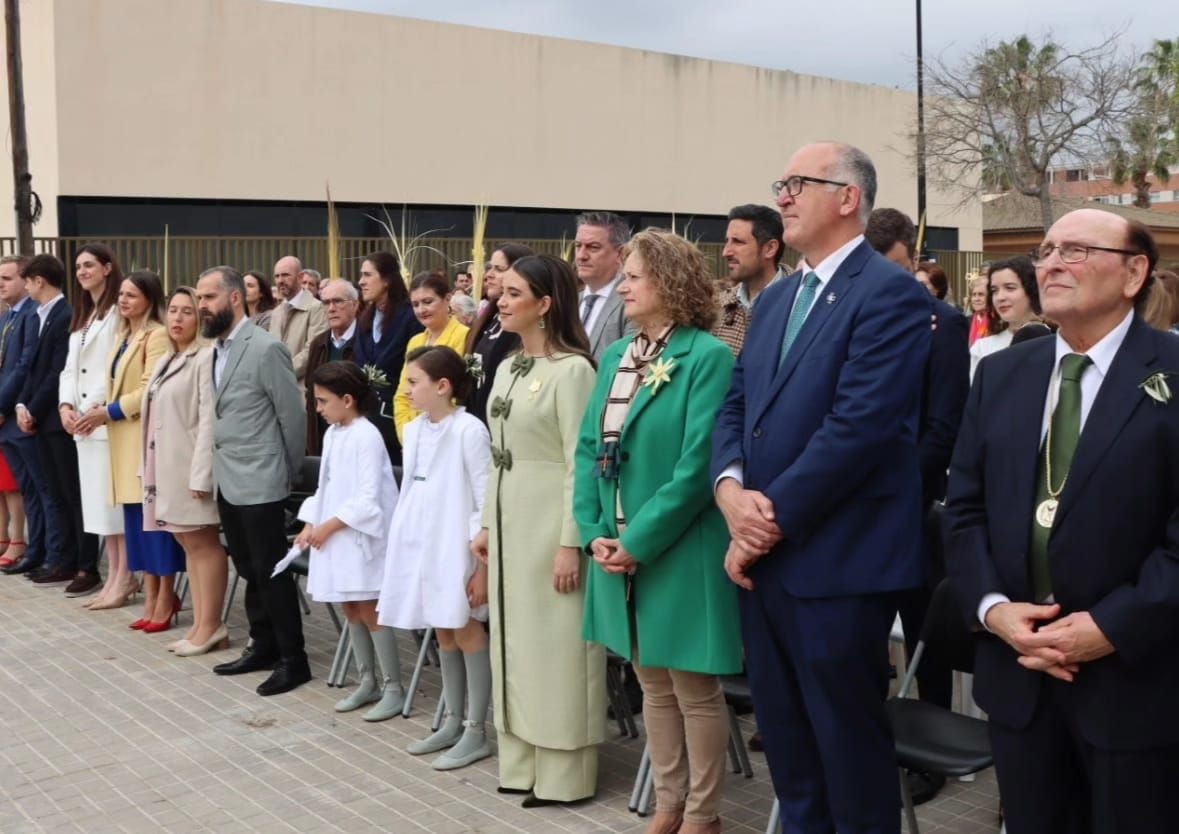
(181, 414)
(296, 323)
(86, 376)
(134, 370)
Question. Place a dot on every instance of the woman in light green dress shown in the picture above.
(548, 683)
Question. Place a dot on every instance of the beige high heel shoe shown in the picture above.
(218, 640)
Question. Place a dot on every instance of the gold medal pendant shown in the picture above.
(1046, 513)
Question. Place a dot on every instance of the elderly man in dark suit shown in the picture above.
(341, 302)
(1063, 543)
(258, 438)
(816, 463)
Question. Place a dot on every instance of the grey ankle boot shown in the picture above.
(454, 685)
(362, 649)
(393, 693)
(473, 745)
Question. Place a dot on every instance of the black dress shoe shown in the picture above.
(83, 583)
(924, 786)
(21, 566)
(534, 801)
(756, 744)
(289, 675)
(54, 575)
(250, 661)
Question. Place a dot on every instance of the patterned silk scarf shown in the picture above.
(629, 377)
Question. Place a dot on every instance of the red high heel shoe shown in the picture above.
(153, 627)
(140, 624)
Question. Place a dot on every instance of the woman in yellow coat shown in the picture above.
(429, 293)
(140, 343)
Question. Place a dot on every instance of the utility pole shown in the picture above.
(920, 122)
(21, 178)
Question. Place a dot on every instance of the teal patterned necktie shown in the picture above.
(802, 306)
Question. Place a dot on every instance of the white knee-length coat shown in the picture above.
(356, 485)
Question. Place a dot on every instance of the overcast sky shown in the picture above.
(860, 40)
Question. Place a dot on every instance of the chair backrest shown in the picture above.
(944, 631)
(308, 479)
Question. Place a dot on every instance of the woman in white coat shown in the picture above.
(83, 383)
(347, 524)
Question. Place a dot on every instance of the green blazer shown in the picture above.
(685, 608)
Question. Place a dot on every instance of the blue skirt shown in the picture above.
(150, 551)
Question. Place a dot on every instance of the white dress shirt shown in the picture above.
(825, 271)
(221, 353)
(1092, 377)
(43, 311)
(343, 340)
(378, 320)
(599, 305)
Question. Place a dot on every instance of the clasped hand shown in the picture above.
(612, 557)
(317, 535)
(96, 416)
(1057, 649)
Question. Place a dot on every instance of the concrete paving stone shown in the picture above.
(152, 743)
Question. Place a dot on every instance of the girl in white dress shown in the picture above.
(431, 578)
(347, 523)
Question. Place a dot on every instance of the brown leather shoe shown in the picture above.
(84, 583)
(51, 577)
(665, 822)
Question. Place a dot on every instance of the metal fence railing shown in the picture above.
(181, 259)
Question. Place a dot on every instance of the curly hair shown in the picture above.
(680, 275)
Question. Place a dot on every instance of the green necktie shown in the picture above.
(1056, 456)
(802, 306)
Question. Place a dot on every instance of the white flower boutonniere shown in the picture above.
(534, 389)
(659, 374)
(1156, 387)
(376, 377)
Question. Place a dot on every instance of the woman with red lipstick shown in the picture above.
(178, 470)
(140, 343)
(1015, 298)
(429, 295)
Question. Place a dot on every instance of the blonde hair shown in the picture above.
(680, 275)
(190, 293)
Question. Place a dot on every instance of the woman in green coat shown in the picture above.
(657, 592)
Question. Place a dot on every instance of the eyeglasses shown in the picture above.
(793, 185)
(1074, 253)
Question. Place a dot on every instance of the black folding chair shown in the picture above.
(929, 738)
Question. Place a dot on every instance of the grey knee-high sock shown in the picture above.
(367, 690)
(385, 641)
(454, 687)
(478, 668)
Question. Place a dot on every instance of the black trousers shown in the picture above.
(935, 677)
(70, 545)
(1054, 782)
(257, 541)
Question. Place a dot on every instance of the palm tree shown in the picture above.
(1149, 143)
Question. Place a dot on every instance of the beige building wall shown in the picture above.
(249, 99)
(40, 80)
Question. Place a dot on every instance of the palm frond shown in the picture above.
(333, 237)
(478, 255)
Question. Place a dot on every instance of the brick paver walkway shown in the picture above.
(102, 730)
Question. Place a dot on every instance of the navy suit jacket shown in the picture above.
(16, 352)
(947, 384)
(1114, 548)
(40, 390)
(389, 353)
(831, 436)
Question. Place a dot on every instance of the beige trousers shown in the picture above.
(563, 775)
(688, 735)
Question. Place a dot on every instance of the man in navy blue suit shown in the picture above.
(18, 340)
(815, 458)
(943, 399)
(37, 415)
(1063, 544)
